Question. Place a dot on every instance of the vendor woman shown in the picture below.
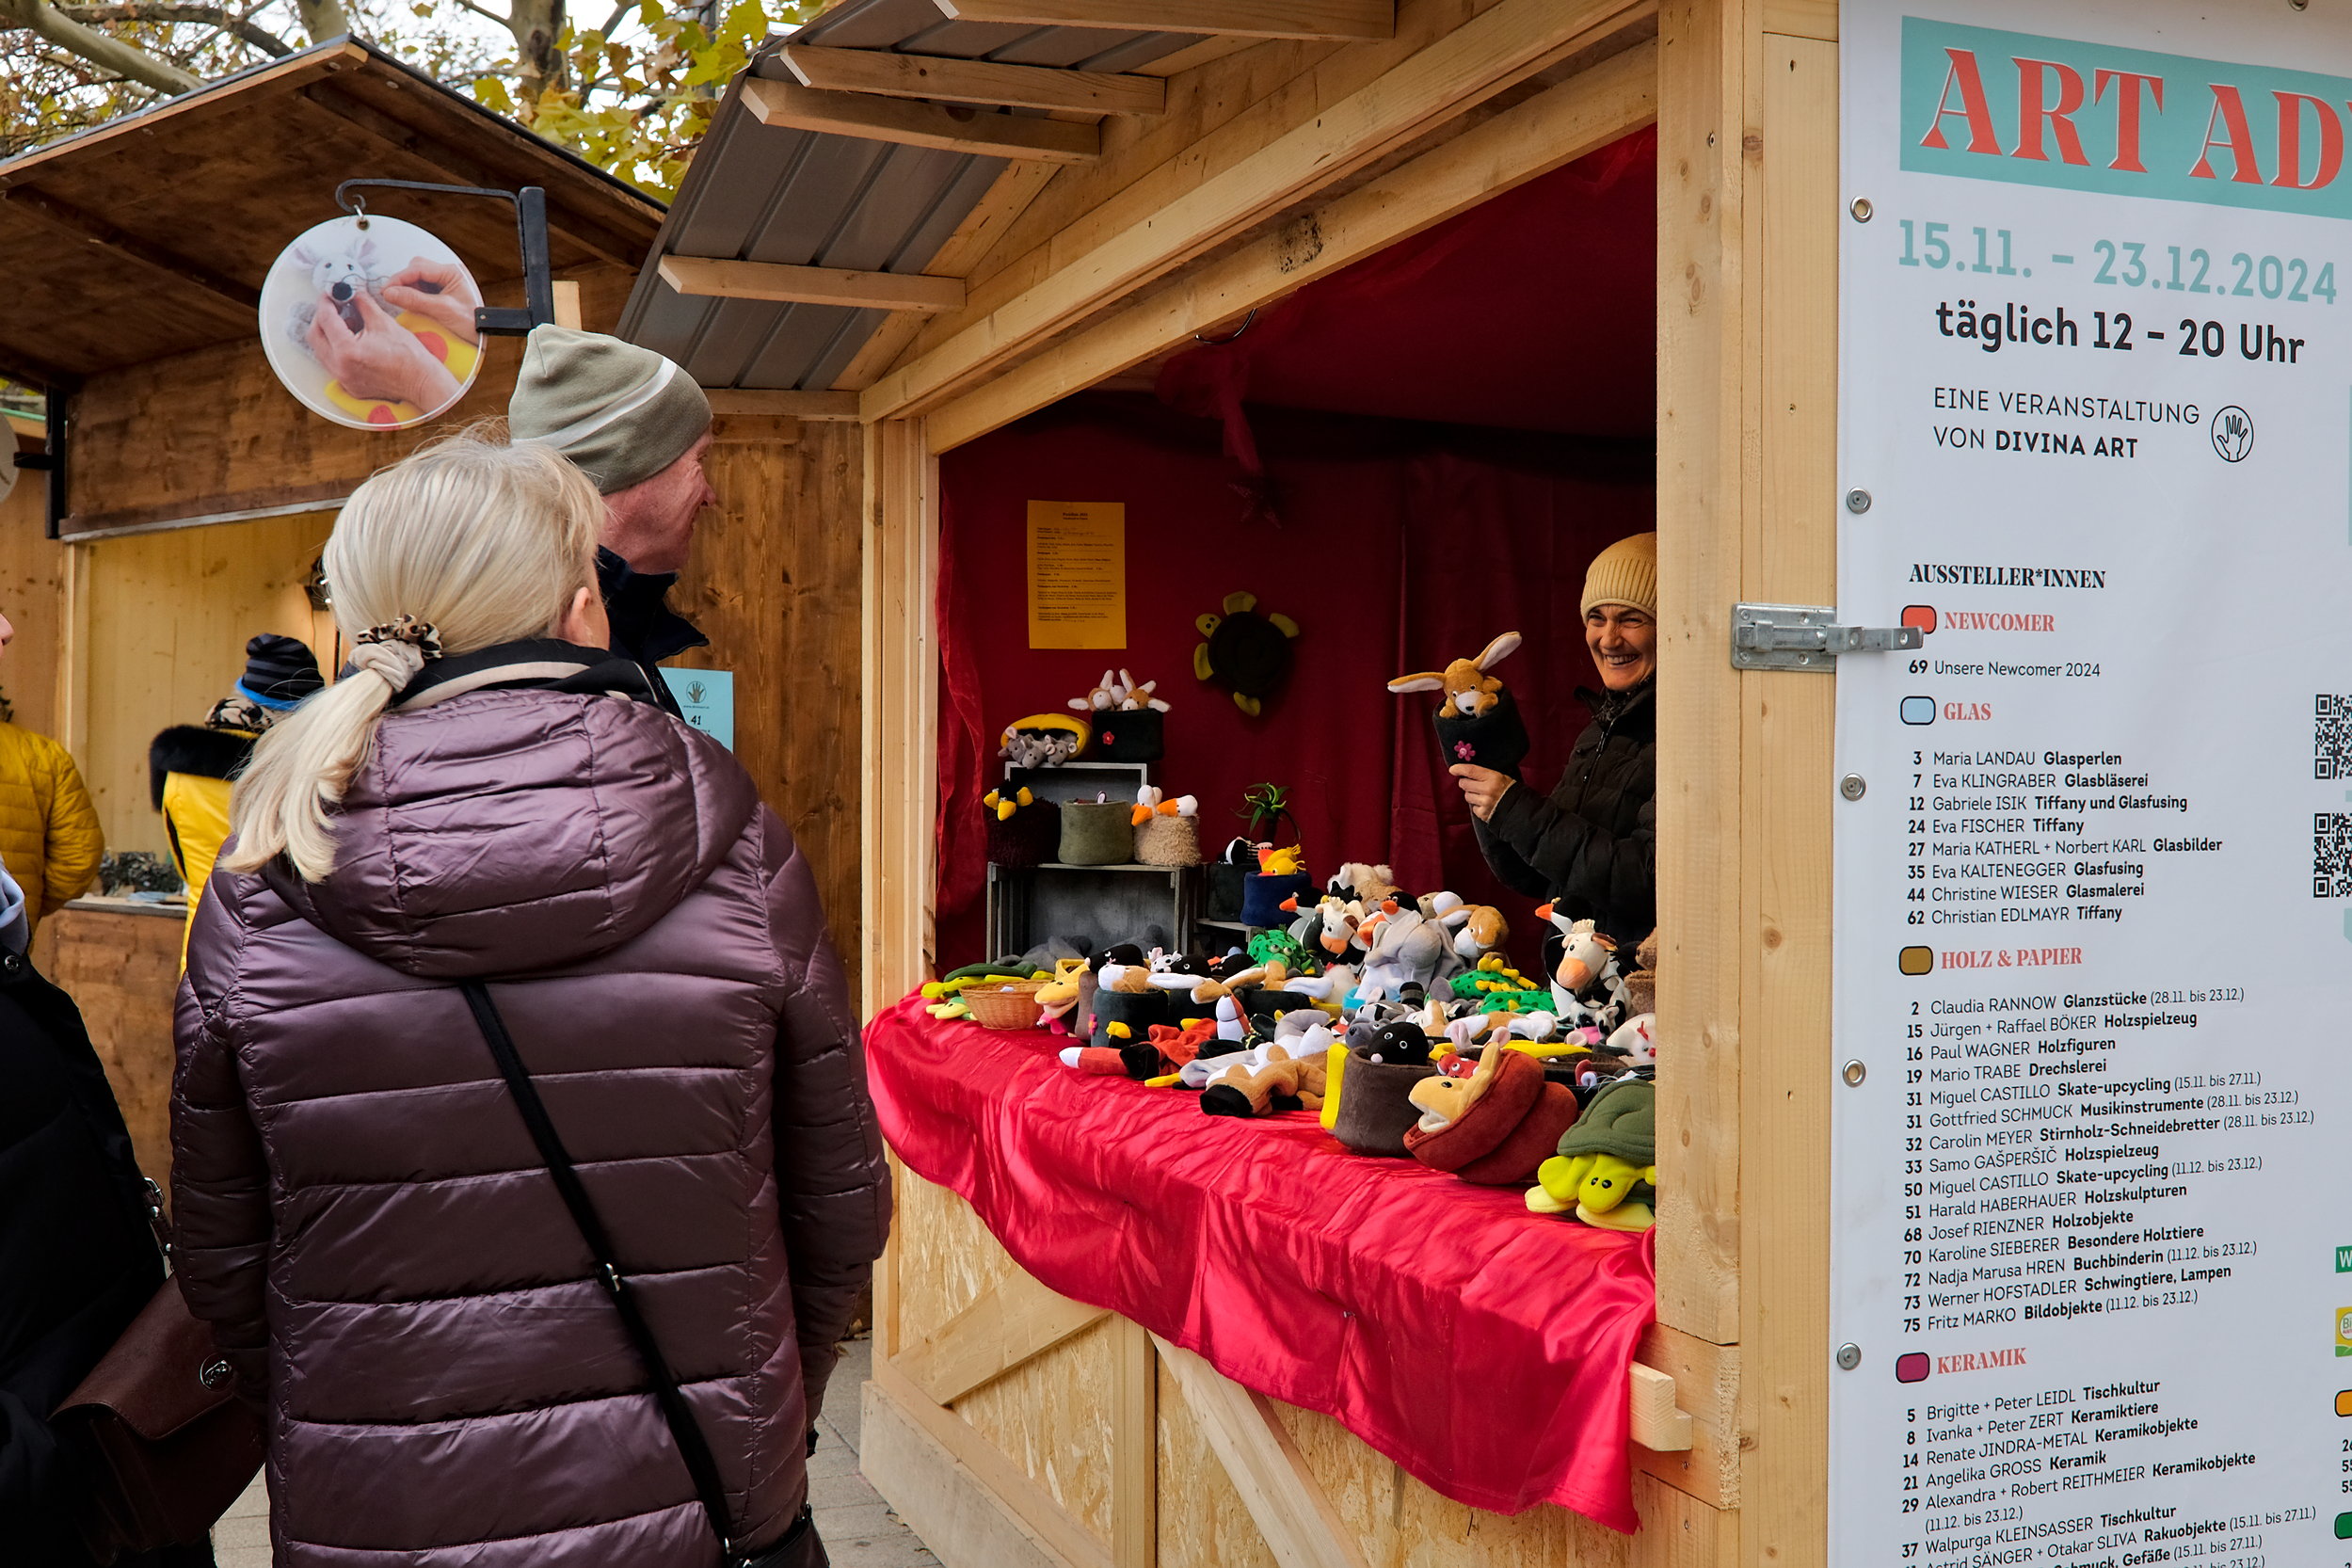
(1592, 848)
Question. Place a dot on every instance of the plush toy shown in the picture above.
(1584, 979)
(1247, 653)
(1605, 1171)
(1120, 695)
(1368, 1102)
(1022, 829)
(1479, 930)
(1470, 692)
(996, 801)
(1282, 1083)
(1494, 1127)
(1404, 948)
(1641, 985)
(1478, 722)
(1164, 1050)
(1150, 802)
(1043, 740)
(1360, 883)
(1636, 1040)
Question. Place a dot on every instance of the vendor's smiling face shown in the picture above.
(1623, 641)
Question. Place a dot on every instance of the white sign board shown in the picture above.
(2091, 1274)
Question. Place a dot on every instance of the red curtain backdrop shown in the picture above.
(1515, 343)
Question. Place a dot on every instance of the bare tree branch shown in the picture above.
(110, 53)
(160, 11)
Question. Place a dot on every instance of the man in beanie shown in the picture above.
(638, 426)
(189, 766)
(1592, 848)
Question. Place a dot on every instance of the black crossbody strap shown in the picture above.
(690, 1446)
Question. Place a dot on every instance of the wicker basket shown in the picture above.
(1168, 842)
(1010, 1005)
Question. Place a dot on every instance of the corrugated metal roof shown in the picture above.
(761, 193)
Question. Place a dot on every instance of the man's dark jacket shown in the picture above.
(77, 1259)
(1592, 847)
(646, 629)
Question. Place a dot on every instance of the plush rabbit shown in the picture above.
(1470, 692)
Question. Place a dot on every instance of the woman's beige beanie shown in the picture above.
(1625, 573)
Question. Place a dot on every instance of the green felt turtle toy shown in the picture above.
(1606, 1168)
(1247, 653)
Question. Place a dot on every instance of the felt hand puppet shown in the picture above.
(1636, 1040)
(1478, 722)
(1165, 1050)
(1058, 998)
(1479, 931)
(1360, 883)
(1367, 1104)
(1494, 1127)
(1247, 653)
(1606, 1172)
(1282, 1082)
(1289, 860)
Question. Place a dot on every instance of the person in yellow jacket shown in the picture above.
(49, 836)
(189, 766)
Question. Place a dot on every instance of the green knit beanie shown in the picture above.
(621, 412)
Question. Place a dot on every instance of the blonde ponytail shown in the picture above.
(487, 543)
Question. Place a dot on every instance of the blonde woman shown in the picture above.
(505, 973)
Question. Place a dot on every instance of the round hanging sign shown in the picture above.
(370, 321)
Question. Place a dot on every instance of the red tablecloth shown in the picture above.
(1482, 1347)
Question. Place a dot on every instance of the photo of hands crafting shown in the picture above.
(370, 321)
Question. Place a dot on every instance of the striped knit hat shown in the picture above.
(621, 412)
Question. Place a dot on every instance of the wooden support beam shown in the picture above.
(180, 270)
(1288, 1504)
(1027, 86)
(715, 277)
(1134, 1447)
(1707, 1388)
(955, 130)
(959, 1491)
(1322, 21)
(1014, 1321)
(1555, 127)
(1500, 46)
(752, 403)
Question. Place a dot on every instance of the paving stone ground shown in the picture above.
(859, 1530)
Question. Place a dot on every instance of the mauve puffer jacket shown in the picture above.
(365, 1221)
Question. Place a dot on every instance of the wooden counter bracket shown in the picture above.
(874, 117)
(1658, 1425)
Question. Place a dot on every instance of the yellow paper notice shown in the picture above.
(1077, 574)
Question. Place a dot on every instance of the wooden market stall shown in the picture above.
(964, 222)
(194, 492)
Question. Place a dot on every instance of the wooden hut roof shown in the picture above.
(149, 235)
(766, 192)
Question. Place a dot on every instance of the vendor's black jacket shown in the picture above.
(1592, 848)
(646, 629)
(77, 1259)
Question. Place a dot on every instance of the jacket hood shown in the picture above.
(500, 831)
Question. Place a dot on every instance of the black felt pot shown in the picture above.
(1374, 1107)
(1030, 837)
(1497, 739)
(1138, 1010)
(1136, 736)
(1224, 891)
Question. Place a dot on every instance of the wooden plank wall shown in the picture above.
(209, 432)
(122, 970)
(165, 618)
(774, 584)
(32, 585)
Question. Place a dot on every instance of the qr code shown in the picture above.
(2332, 855)
(2331, 736)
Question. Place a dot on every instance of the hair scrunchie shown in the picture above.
(396, 651)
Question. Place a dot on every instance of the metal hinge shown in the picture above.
(1807, 637)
